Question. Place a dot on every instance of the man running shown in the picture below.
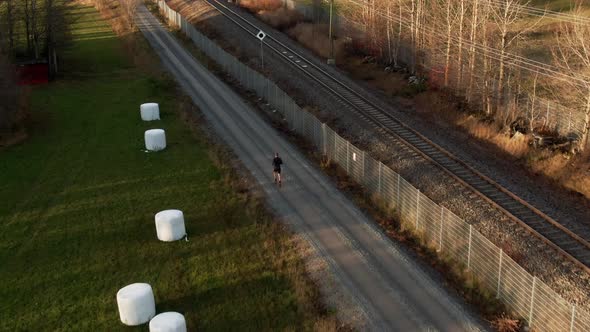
(276, 173)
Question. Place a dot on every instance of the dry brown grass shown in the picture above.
(436, 107)
(511, 251)
(110, 10)
(506, 324)
(257, 5)
(119, 13)
(572, 172)
(548, 163)
(329, 324)
(517, 146)
(312, 36)
(281, 18)
(580, 181)
(315, 38)
(133, 44)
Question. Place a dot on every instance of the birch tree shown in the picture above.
(572, 55)
(461, 22)
(505, 15)
(533, 113)
(477, 17)
(450, 19)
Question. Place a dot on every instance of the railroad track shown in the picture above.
(573, 247)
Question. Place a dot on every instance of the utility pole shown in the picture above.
(331, 60)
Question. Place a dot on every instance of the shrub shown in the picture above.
(506, 324)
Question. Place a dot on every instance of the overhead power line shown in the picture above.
(510, 59)
(534, 11)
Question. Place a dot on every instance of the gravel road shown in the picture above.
(395, 293)
(540, 260)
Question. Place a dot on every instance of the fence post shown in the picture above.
(281, 103)
(397, 205)
(363, 173)
(324, 146)
(292, 107)
(290, 116)
(379, 180)
(276, 98)
(532, 302)
(573, 318)
(499, 274)
(335, 146)
(347, 158)
(319, 137)
(417, 208)
(294, 110)
(284, 103)
(440, 235)
(294, 124)
(469, 249)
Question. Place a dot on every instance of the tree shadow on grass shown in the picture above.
(261, 303)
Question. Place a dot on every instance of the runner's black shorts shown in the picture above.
(277, 170)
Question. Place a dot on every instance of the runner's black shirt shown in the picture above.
(277, 162)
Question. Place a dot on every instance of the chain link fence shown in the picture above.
(527, 296)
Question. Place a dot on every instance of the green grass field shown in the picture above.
(78, 198)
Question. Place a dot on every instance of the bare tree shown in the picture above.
(477, 17)
(572, 55)
(450, 17)
(35, 28)
(9, 93)
(27, 20)
(7, 23)
(399, 33)
(390, 54)
(416, 13)
(56, 31)
(505, 15)
(34, 19)
(533, 112)
(462, 10)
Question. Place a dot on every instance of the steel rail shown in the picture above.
(567, 243)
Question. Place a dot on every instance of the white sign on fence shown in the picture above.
(260, 35)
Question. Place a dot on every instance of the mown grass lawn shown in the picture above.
(78, 198)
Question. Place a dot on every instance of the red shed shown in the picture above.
(32, 72)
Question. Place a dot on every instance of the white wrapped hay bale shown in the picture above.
(168, 322)
(149, 111)
(155, 139)
(170, 225)
(136, 304)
